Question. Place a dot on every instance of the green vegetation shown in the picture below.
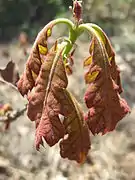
(17, 15)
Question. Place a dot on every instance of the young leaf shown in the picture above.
(44, 106)
(35, 60)
(115, 71)
(38, 55)
(106, 107)
(44, 81)
(77, 11)
(47, 100)
(92, 73)
(76, 144)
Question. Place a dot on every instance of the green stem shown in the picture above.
(74, 33)
(92, 31)
(71, 40)
(63, 20)
(102, 34)
(52, 24)
(97, 28)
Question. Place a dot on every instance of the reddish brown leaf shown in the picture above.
(106, 107)
(44, 81)
(77, 10)
(43, 105)
(110, 56)
(115, 72)
(93, 70)
(76, 144)
(34, 62)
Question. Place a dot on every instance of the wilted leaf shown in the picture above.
(115, 72)
(10, 73)
(106, 107)
(88, 61)
(47, 100)
(114, 69)
(44, 107)
(35, 60)
(93, 70)
(76, 144)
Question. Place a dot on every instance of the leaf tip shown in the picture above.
(82, 158)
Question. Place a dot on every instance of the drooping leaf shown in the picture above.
(76, 144)
(47, 100)
(44, 107)
(93, 71)
(106, 107)
(88, 61)
(115, 71)
(35, 60)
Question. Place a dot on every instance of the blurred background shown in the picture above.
(112, 157)
(30, 15)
